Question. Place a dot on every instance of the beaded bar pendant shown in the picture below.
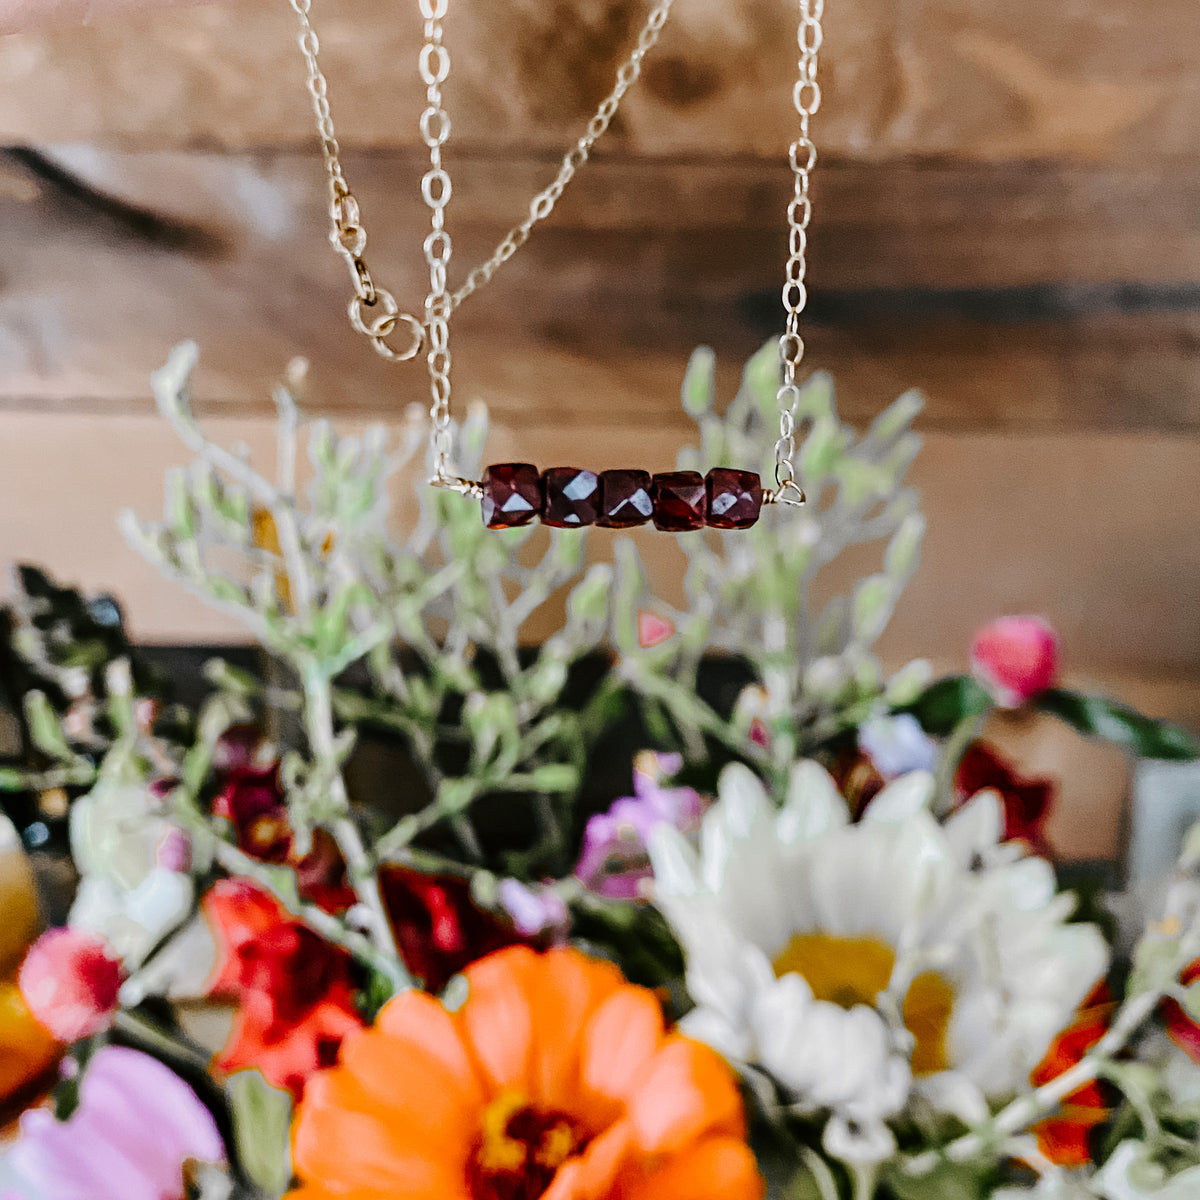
(569, 498)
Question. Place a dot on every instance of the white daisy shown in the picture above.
(855, 961)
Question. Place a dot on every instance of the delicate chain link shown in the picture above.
(435, 190)
(806, 95)
(542, 205)
(348, 234)
(373, 310)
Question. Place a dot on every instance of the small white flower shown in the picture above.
(117, 834)
(1131, 1174)
(854, 962)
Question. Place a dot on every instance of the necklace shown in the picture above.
(566, 497)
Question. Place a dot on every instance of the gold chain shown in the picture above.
(802, 154)
(373, 309)
(435, 190)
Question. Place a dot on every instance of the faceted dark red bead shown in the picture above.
(624, 499)
(734, 498)
(680, 502)
(512, 494)
(572, 497)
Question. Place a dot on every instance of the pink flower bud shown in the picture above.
(70, 980)
(1017, 657)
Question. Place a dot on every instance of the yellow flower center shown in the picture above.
(853, 970)
(520, 1150)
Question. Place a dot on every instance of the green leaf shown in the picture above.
(1096, 717)
(699, 387)
(588, 600)
(908, 683)
(11, 780)
(900, 558)
(44, 728)
(261, 1120)
(873, 601)
(896, 418)
(554, 777)
(946, 703)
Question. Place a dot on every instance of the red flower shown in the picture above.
(70, 981)
(1017, 657)
(252, 801)
(294, 991)
(1064, 1138)
(439, 930)
(1181, 1029)
(1026, 801)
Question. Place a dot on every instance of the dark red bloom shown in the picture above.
(1063, 1138)
(857, 779)
(1181, 1029)
(294, 990)
(252, 801)
(1026, 801)
(439, 929)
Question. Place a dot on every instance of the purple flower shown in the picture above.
(614, 861)
(533, 910)
(136, 1125)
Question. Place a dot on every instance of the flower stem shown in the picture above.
(360, 869)
(1027, 1109)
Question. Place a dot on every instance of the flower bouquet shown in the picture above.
(678, 903)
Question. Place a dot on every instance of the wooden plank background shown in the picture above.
(1007, 216)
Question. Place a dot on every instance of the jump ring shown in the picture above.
(391, 320)
(358, 304)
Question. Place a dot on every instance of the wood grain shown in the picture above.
(1054, 298)
(1096, 81)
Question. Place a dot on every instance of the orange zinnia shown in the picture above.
(555, 1081)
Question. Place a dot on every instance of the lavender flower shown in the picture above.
(614, 861)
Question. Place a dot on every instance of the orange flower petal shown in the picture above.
(565, 991)
(593, 1176)
(498, 1019)
(347, 1148)
(419, 1096)
(618, 1044)
(716, 1169)
(416, 1020)
(556, 1043)
(688, 1092)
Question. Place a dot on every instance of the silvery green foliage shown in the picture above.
(752, 593)
(319, 581)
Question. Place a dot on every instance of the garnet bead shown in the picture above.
(572, 497)
(734, 498)
(512, 494)
(624, 499)
(679, 499)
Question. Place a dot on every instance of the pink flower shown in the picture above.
(614, 861)
(1016, 657)
(136, 1127)
(70, 979)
